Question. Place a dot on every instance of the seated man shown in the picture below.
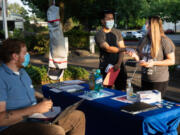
(17, 100)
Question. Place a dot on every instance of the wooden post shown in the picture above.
(92, 45)
(67, 45)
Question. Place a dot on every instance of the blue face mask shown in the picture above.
(110, 24)
(26, 60)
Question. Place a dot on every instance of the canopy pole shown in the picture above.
(5, 27)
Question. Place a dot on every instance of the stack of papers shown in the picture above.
(67, 86)
(70, 82)
(71, 88)
(149, 96)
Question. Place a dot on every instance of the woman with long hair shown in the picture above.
(155, 54)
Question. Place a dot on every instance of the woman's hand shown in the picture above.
(146, 64)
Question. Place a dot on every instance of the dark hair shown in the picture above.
(106, 12)
(8, 47)
(155, 17)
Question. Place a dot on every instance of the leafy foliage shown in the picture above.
(128, 11)
(78, 38)
(39, 74)
(88, 11)
(168, 10)
(15, 8)
(74, 72)
(37, 43)
(42, 45)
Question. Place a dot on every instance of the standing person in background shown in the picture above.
(111, 45)
(17, 100)
(155, 54)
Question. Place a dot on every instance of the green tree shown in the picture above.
(15, 8)
(130, 12)
(168, 10)
(172, 11)
(87, 11)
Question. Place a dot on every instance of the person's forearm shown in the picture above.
(166, 62)
(120, 59)
(8, 118)
(112, 49)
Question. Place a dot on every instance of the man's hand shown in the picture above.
(43, 106)
(8, 118)
(116, 67)
(133, 54)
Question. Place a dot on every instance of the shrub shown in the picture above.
(42, 45)
(17, 33)
(39, 74)
(73, 72)
(36, 42)
(78, 38)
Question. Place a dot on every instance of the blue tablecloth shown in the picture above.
(105, 118)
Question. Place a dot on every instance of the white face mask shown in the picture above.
(110, 24)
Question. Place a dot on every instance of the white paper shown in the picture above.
(122, 99)
(71, 88)
(73, 82)
(55, 90)
(108, 67)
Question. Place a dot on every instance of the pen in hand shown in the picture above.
(49, 98)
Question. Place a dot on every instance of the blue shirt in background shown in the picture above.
(16, 90)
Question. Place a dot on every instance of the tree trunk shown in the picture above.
(61, 5)
(50, 2)
(127, 22)
(175, 26)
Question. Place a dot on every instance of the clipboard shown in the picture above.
(67, 111)
(44, 119)
(111, 77)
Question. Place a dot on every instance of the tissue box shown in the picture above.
(149, 96)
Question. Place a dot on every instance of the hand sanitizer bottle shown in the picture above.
(129, 89)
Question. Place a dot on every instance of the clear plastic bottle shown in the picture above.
(91, 81)
(129, 90)
(98, 81)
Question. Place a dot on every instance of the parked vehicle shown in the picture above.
(123, 34)
(169, 31)
(134, 34)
